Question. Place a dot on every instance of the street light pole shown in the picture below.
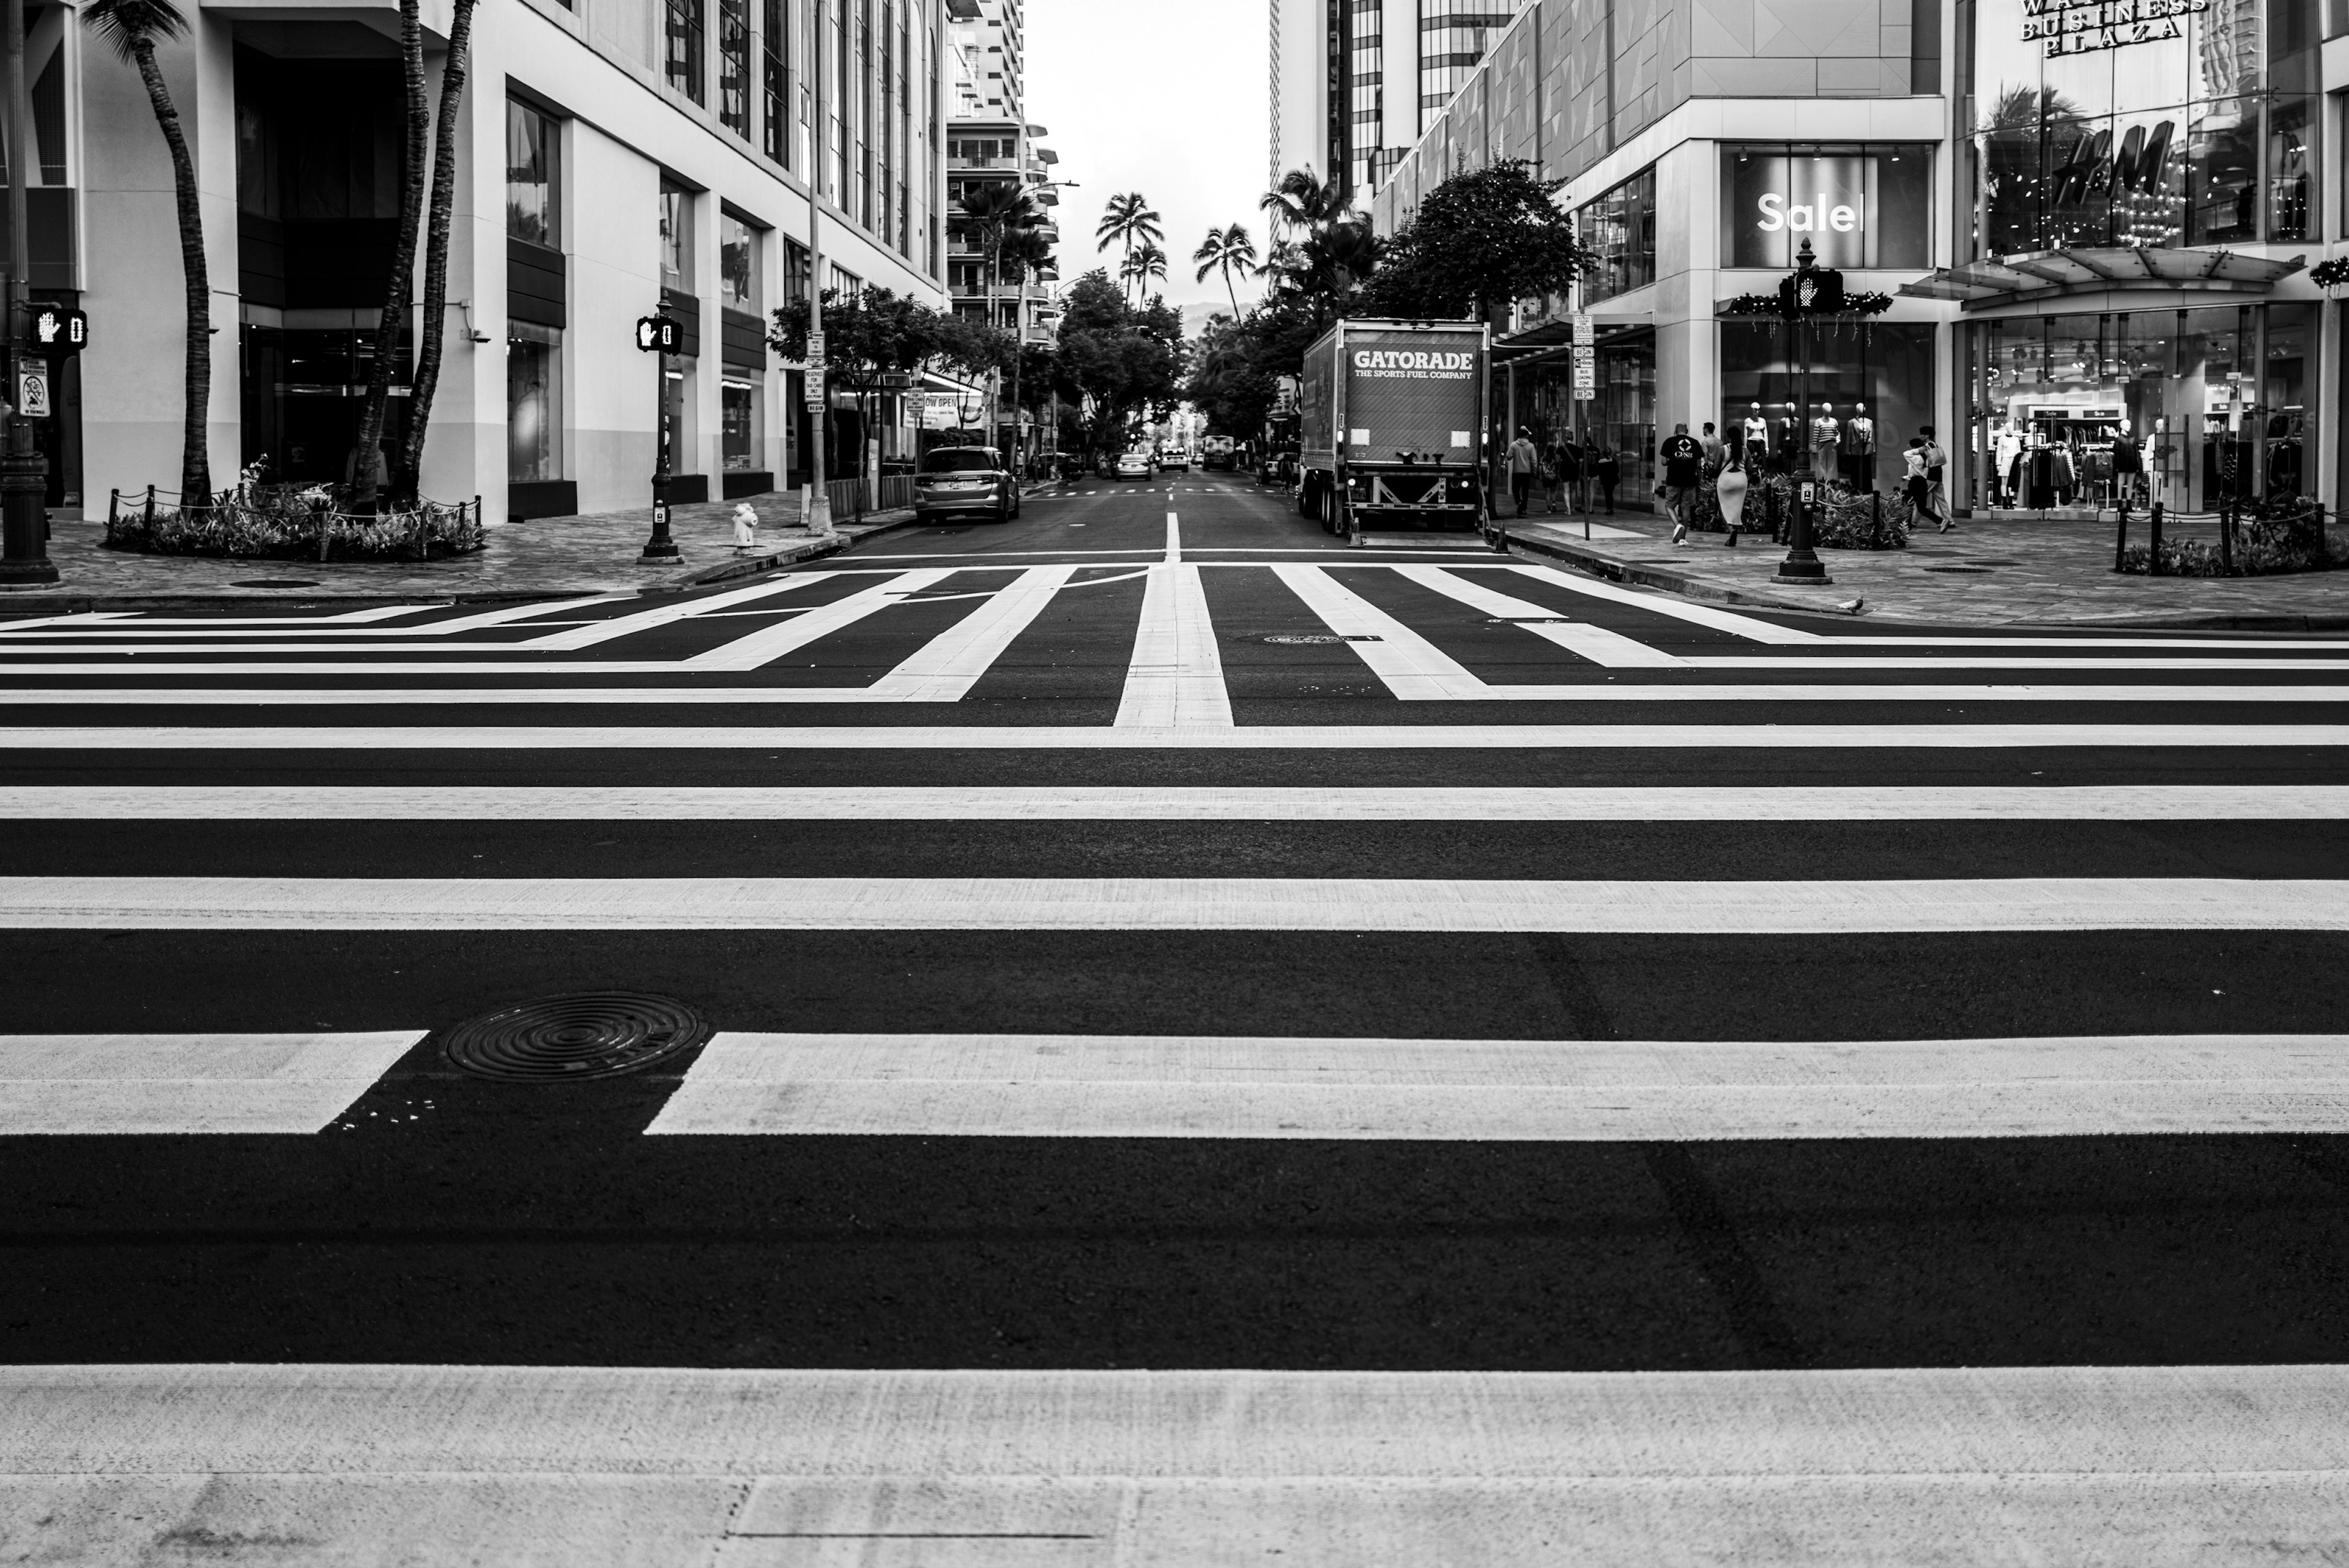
(660, 550)
(24, 473)
(1802, 563)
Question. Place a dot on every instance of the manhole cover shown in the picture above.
(593, 1034)
(276, 583)
(1976, 571)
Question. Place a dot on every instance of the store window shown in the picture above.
(2217, 401)
(1621, 226)
(531, 183)
(1860, 205)
(738, 263)
(1874, 379)
(533, 402)
(739, 410)
(675, 238)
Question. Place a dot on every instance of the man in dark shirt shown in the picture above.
(1683, 461)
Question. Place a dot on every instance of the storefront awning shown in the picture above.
(2013, 280)
(1534, 342)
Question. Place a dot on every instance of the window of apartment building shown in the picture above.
(775, 62)
(734, 67)
(533, 402)
(531, 185)
(738, 263)
(1861, 205)
(1621, 226)
(845, 285)
(843, 85)
(795, 270)
(685, 46)
(677, 237)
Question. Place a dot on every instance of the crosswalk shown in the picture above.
(1879, 1093)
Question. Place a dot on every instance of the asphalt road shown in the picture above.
(1979, 995)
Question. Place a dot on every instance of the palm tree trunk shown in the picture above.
(1233, 292)
(439, 216)
(402, 285)
(195, 454)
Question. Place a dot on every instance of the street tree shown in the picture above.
(132, 28)
(1226, 250)
(1301, 203)
(1476, 244)
(1145, 262)
(1127, 221)
(439, 218)
(399, 289)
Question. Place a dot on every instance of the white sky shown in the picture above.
(1171, 101)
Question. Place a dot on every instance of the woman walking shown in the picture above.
(1917, 486)
(1608, 470)
(1566, 462)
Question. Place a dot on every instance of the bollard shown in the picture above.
(2227, 540)
(113, 510)
(2120, 541)
(150, 506)
(1876, 520)
(2153, 531)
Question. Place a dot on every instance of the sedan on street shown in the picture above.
(1133, 465)
(964, 479)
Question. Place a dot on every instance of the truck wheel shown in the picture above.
(1308, 502)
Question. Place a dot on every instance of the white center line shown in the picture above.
(1174, 540)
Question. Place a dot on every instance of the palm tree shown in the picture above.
(131, 27)
(1128, 220)
(401, 287)
(1224, 249)
(439, 217)
(1301, 202)
(1144, 263)
(1029, 252)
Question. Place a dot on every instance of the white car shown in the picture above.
(1133, 465)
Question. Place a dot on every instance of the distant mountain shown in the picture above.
(1195, 315)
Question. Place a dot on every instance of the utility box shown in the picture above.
(1392, 427)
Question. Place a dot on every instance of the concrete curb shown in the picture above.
(1670, 580)
(791, 555)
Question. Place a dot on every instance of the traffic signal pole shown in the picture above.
(815, 506)
(24, 473)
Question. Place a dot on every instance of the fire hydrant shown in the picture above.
(746, 528)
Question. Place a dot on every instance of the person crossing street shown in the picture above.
(1684, 461)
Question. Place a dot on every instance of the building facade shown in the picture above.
(614, 157)
(1356, 82)
(2092, 227)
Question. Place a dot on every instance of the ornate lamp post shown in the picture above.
(1806, 292)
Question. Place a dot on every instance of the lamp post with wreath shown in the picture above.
(1809, 292)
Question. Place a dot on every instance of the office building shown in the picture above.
(615, 158)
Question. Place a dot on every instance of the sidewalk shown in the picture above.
(544, 558)
(1986, 573)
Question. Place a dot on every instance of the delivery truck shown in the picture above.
(1392, 427)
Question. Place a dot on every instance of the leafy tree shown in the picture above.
(132, 29)
(1120, 361)
(1226, 250)
(439, 218)
(1479, 241)
(1145, 262)
(1127, 221)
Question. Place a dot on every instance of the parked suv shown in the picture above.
(964, 479)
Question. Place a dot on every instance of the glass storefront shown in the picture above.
(739, 410)
(534, 406)
(1620, 420)
(2217, 401)
(2096, 129)
(1620, 229)
(1874, 379)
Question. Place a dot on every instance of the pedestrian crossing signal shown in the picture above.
(60, 328)
(659, 334)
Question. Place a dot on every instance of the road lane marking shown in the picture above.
(768, 644)
(1171, 904)
(1175, 678)
(1612, 650)
(113, 1084)
(264, 627)
(1744, 625)
(1111, 1086)
(1174, 540)
(1414, 668)
(576, 638)
(951, 663)
(1107, 737)
(2206, 1465)
(1077, 803)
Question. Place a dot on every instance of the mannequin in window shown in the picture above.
(1825, 434)
(1859, 448)
(1756, 432)
(1787, 448)
(2007, 445)
(2128, 468)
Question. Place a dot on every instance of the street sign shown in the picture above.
(60, 328)
(1810, 491)
(33, 394)
(659, 334)
(815, 398)
(1585, 394)
(815, 349)
(1586, 375)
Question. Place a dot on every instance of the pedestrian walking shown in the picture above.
(1683, 460)
(1524, 465)
(1937, 459)
(1916, 485)
(1569, 458)
(1608, 469)
(1711, 444)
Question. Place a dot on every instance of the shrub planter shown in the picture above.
(254, 524)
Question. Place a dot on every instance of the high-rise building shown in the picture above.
(1354, 82)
